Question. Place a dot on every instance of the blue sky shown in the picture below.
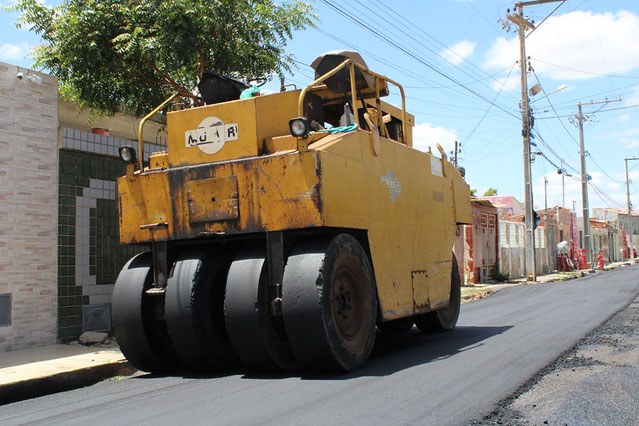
(459, 69)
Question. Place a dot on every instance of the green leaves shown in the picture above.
(128, 56)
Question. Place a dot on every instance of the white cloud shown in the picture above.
(629, 139)
(624, 118)
(14, 51)
(506, 84)
(599, 43)
(613, 193)
(456, 53)
(632, 98)
(426, 135)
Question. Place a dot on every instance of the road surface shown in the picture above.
(451, 378)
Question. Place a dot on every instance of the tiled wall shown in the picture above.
(90, 256)
(28, 208)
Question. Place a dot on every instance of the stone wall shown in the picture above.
(28, 208)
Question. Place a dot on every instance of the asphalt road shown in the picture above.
(595, 383)
(451, 378)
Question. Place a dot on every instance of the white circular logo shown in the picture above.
(211, 135)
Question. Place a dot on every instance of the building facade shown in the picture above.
(28, 208)
(59, 242)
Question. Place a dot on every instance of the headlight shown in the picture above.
(127, 154)
(299, 127)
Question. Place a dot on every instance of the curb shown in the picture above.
(61, 382)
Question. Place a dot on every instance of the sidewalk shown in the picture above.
(34, 372)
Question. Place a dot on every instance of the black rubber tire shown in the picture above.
(195, 311)
(329, 304)
(251, 329)
(444, 319)
(138, 323)
(401, 325)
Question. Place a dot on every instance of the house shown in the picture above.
(481, 240)
(566, 227)
(508, 205)
(602, 237)
(621, 242)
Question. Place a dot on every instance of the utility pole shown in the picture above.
(630, 230)
(584, 176)
(517, 18)
(546, 195)
(563, 174)
(456, 152)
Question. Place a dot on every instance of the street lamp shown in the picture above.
(558, 89)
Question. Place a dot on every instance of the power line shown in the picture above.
(434, 39)
(469, 3)
(544, 20)
(602, 170)
(601, 194)
(605, 110)
(552, 151)
(375, 57)
(409, 53)
(481, 120)
(587, 72)
(553, 107)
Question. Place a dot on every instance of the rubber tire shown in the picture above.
(444, 319)
(195, 311)
(247, 313)
(137, 324)
(312, 301)
(396, 326)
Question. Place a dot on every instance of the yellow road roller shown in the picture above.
(286, 230)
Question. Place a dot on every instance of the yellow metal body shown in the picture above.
(246, 175)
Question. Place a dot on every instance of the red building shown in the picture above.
(481, 240)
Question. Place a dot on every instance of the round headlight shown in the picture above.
(127, 154)
(299, 127)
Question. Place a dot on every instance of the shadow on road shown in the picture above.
(396, 352)
(392, 353)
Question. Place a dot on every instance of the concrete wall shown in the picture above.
(512, 251)
(28, 207)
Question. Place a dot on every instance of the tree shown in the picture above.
(473, 192)
(490, 192)
(128, 56)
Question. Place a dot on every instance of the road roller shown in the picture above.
(286, 231)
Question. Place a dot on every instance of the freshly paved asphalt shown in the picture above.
(451, 378)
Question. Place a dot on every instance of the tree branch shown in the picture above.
(202, 65)
(183, 91)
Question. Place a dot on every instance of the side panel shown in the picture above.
(404, 198)
(212, 133)
(273, 113)
(145, 208)
(254, 195)
(229, 130)
(461, 192)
